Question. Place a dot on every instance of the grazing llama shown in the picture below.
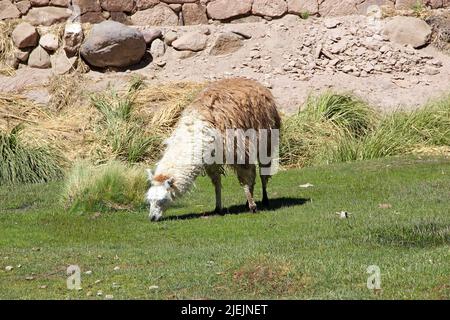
(235, 103)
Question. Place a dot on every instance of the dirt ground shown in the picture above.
(268, 57)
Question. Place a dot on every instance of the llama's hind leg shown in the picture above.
(246, 175)
(215, 173)
(264, 180)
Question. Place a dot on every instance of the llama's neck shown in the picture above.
(183, 157)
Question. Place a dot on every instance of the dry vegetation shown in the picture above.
(70, 123)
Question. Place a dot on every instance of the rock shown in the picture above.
(39, 3)
(39, 58)
(226, 9)
(109, 297)
(8, 10)
(192, 41)
(170, 37)
(408, 31)
(226, 43)
(112, 44)
(179, 1)
(431, 71)
(25, 35)
(49, 42)
(92, 17)
(60, 3)
(73, 37)
(87, 5)
(46, 16)
(405, 4)
(22, 54)
(61, 64)
(269, 8)
(159, 15)
(338, 8)
(151, 34)
(9, 268)
(303, 6)
(145, 4)
(194, 13)
(175, 7)
(23, 6)
(117, 5)
(121, 17)
(331, 23)
(157, 48)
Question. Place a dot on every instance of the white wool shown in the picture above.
(183, 157)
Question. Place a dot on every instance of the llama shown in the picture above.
(235, 103)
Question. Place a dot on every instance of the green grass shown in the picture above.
(24, 163)
(299, 249)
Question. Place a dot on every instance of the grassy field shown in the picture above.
(400, 221)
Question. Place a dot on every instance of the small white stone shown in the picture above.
(9, 268)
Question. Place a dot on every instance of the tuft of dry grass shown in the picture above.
(7, 45)
(65, 90)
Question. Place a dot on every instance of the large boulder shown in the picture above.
(112, 44)
(226, 9)
(408, 31)
(303, 6)
(39, 58)
(87, 5)
(25, 35)
(46, 16)
(145, 4)
(8, 10)
(117, 5)
(192, 41)
(159, 15)
(194, 13)
(23, 6)
(269, 8)
(226, 43)
(338, 8)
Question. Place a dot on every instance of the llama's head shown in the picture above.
(160, 195)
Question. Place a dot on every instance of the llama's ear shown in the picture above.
(149, 174)
(169, 183)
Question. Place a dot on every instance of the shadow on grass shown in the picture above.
(275, 204)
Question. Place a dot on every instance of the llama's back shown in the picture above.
(237, 103)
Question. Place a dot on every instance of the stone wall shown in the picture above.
(187, 12)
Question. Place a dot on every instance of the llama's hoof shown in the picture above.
(218, 211)
(253, 209)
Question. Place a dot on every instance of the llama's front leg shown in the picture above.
(246, 176)
(215, 174)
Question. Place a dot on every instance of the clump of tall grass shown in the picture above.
(23, 163)
(308, 135)
(337, 128)
(121, 130)
(111, 186)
